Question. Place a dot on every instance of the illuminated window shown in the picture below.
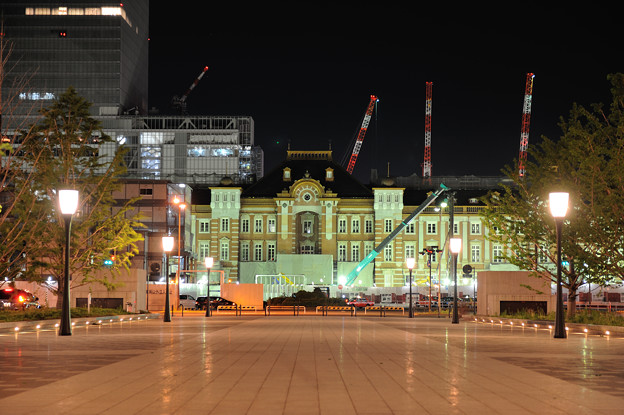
(244, 254)
(355, 252)
(271, 251)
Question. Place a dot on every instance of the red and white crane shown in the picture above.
(362, 133)
(179, 103)
(427, 162)
(526, 119)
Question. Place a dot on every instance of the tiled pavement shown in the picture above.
(308, 365)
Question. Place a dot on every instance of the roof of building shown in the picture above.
(312, 164)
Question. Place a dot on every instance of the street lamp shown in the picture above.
(68, 203)
(558, 202)
(167, 243)
(430, 251)
(455, 246)
(209, 263)
(181, 205)
(410, 264)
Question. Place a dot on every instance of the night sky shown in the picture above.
(305, 76)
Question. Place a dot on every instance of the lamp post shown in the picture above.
(455, 246)
(68, 203)
(558, 202)
(410, 264)
(167, 242)
(181, 207)
(209, 263)
(430, 251)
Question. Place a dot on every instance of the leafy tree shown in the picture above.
(68, 143)
(588, 162)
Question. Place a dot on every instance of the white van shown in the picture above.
(187, 301)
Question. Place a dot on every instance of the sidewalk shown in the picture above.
(309, 365)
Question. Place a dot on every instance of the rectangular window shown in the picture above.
(475, 253)
(271, 225)
(204, 226)
(410, 228)
(368, 247)
(245, 225)
(368, 225)
(244, 254)
(431, 228)
(342, 225)
(388, 225)
(497, 252)
(307, 226)
(225, 250)
(342, 252)
(410, 250)
(455, 228)
(204, 249)
(388, 253)
(271, 251)
(355, 225)
(225, 224)
(475, 228)
(258, 225)
(355, 252)
(258, 251)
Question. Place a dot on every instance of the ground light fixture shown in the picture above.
(558, 202)
(410, 262)
(68, 204)
(209, 261)
(455, 247)
(167, 243)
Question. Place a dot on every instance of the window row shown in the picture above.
(245, 225)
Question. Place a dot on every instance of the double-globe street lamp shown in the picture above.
(68, 203)
(209, 263)
(430, 251)
(167, 243)
(455, 247)
(410, 262)
(558, 202)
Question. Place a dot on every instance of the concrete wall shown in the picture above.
(497, 286)
(132, 289)
(243, 294)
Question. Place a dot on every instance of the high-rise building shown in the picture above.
(98, 47)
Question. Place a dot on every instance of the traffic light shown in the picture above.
(109, 262)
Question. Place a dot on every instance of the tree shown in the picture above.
(69, 142)
(19, 221)
(588, 162)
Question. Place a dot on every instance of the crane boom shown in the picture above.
(370, 257)
(180, 102)
(427, 162)
(362, 133)
(526, 119)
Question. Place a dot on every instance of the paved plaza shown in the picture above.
(308, 364)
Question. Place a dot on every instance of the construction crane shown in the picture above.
(526, 119)
(179, 103)
(373, 254)
(427, 162)
(362, 133)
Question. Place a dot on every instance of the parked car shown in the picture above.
(219, 301)
(200, 303)
(187, 301)
(16, 299)
(360, 302)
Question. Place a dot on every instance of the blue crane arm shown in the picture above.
(373, 254)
